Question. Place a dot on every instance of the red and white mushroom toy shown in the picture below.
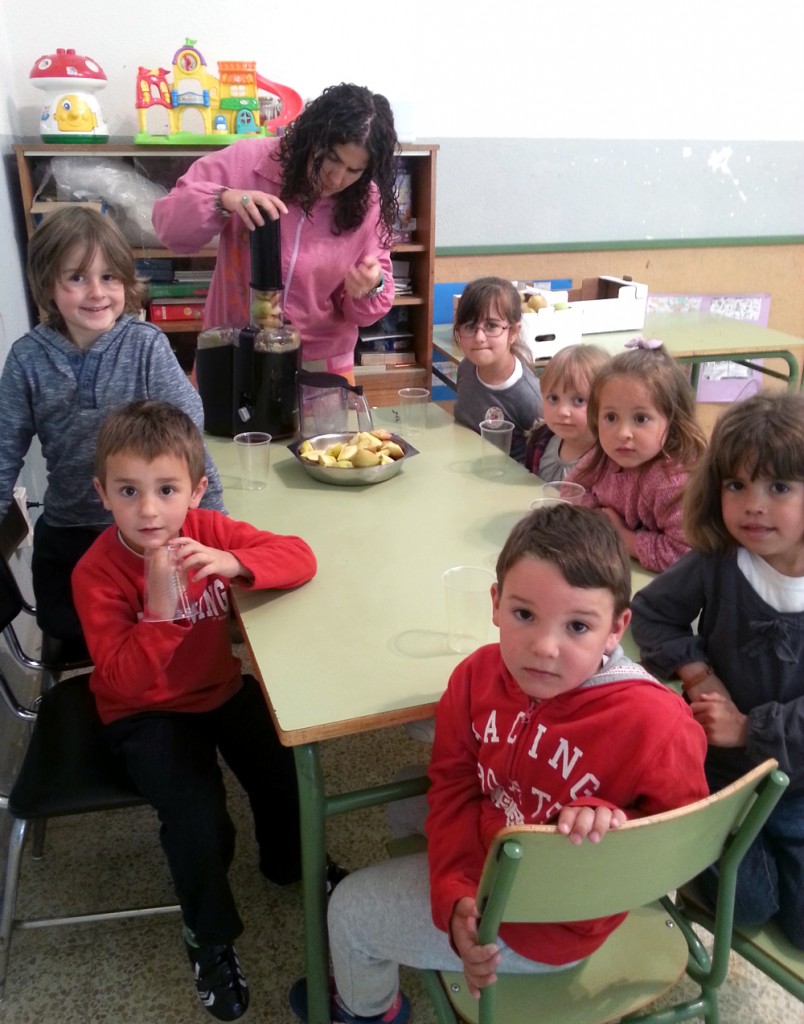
(72, 112)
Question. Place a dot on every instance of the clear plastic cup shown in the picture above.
(254, 457)
(495, 438)
(467, 589)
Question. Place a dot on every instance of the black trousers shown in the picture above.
(172, 758)
(56, 551)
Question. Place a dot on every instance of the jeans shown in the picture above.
(770, 881)
(56, 551)
(172, 757)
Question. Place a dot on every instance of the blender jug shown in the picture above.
(325, 400)
(267, 353)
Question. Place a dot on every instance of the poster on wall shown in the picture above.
(721, 381)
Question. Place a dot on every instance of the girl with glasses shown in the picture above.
(495, 378)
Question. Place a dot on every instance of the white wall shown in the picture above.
(516, 68)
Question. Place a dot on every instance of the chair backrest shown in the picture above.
(13, 531)
(551, 879)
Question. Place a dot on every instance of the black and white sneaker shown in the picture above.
(335, 874)
(219, 981)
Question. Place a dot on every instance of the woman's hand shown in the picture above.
(479, 962)
(363, 277)
(250, 204)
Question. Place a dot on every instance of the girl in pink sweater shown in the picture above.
(642, 414)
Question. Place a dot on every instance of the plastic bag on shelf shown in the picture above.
(129, 195)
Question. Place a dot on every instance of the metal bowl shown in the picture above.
(351, 477)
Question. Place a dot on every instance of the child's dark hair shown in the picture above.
(475, 304)
(148, 429)
(581, 543)
(343, 114)
(672, 396)
(762, 435)
(85, 231)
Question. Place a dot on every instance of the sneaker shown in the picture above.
(219, 981)
(335, 874)
(398, 1013)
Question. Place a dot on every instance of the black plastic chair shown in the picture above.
(68, 769)
(57, 656)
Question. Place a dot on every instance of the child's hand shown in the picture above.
(479, 962)
(722, 721)
(590, 823)
(201, 561)
(361, 278)
(619, 525)
(710, 684)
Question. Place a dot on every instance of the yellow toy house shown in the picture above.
(197, 104)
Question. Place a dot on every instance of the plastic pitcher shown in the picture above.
(325, 403)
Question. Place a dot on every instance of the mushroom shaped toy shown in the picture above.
(72, 112)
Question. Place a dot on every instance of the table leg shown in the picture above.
(314, 865)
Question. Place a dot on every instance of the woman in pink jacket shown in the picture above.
(331, 178)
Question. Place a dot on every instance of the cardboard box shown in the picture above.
(610, 304)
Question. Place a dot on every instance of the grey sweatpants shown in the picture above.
(379, 918)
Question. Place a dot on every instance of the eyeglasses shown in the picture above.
(491, 328)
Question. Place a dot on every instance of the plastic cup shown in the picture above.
(562, 490)
(413, 410)
(254, 456)
(165, 595)
(496, 446)
(467, 589)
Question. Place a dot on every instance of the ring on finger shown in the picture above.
(245, 200)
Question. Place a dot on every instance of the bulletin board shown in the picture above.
(720, 381)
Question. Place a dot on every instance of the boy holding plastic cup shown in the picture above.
(167, 686)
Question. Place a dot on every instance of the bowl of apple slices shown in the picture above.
(353, 459)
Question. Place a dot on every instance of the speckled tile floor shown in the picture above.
(136, 971)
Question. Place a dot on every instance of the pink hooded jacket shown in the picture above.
(314, 260)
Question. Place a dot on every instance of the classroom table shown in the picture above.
(363, 646)
(689, 338)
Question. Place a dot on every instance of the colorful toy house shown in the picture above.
(198, 104)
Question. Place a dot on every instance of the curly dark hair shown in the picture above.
(343, 114)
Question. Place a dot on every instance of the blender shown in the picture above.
(247, 375)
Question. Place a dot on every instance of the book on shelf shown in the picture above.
(193, 275)
(173, 289)
(175, 309)
(384, 359)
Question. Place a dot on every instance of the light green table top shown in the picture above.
(687, 337)
(363, 645)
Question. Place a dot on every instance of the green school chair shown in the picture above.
(766, 947)
(533, 874)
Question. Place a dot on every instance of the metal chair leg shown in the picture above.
(16, 843)
(38, 838)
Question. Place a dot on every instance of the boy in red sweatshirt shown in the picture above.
(554, 724)
(169, 690)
